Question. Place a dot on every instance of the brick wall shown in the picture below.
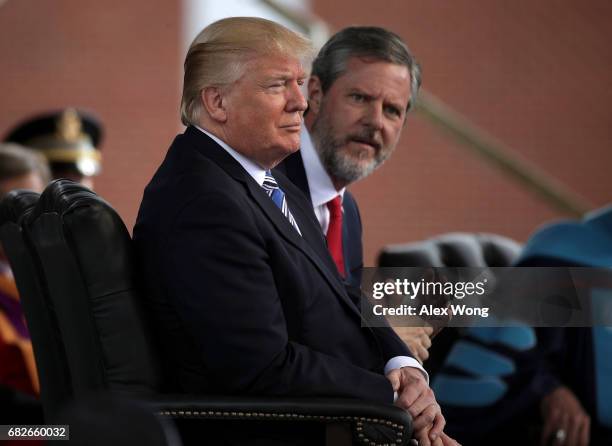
(118, 58)
(534, 74)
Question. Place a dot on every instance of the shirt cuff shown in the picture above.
(397, 362)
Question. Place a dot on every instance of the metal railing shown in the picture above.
(501, 157)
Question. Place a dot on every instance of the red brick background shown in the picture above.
(534, 74)
(118, 58)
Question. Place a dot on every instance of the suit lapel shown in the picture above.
(309, 244)
(293, 167)
(314, 236)
(275, 215)
(315, 246)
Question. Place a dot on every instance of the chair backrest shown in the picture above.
(457, 249)
(55, 385)
(84, 259)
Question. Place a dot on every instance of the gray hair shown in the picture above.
(16, 160)
(368, 42)
(218, 55)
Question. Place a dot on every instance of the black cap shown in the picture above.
(68, 138)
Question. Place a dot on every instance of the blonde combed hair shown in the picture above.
(218, 55)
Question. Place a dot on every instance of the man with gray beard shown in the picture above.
(363, 83)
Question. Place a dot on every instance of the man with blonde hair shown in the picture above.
(243, 289)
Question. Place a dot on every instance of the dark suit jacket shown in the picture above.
(293, 168)
(242, 302)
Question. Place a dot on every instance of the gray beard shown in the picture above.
(339, 166)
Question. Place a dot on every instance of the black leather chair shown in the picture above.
(457, 249)
(51, 363)
(105, 420)
(72, 258)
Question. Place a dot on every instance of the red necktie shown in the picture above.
(334, 233)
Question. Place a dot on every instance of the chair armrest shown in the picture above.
(373, 424)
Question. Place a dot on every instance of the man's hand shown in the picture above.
(418, 340)
(415, 396)
(565, 421)
(443, 440)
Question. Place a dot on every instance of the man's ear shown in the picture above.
(213, 101)
(315, 95)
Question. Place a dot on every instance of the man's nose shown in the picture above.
(373, 116)
(296, 102)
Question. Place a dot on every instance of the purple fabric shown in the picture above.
(12, 309)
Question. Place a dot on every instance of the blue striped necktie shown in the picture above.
(278, 197)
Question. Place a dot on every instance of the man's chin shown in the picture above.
(287, 145)
(358, 152)
(292, 149)
(358, 159)
(351, 169)
(287, 150)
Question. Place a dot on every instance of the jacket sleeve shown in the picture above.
(389, 342)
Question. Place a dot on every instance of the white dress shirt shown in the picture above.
(320, 184)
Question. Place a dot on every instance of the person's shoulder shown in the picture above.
(293, 168)
(351, 210)
(349, 203)
(184, 175)
(186, 167)
(288, 186)
(349, 198)
(290, 163)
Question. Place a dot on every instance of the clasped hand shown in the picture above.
(416, 397)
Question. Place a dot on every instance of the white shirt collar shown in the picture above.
(255, 170)
(320, 184)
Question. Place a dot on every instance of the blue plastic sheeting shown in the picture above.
(468, 392)
(602, 350)
(518, 338)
